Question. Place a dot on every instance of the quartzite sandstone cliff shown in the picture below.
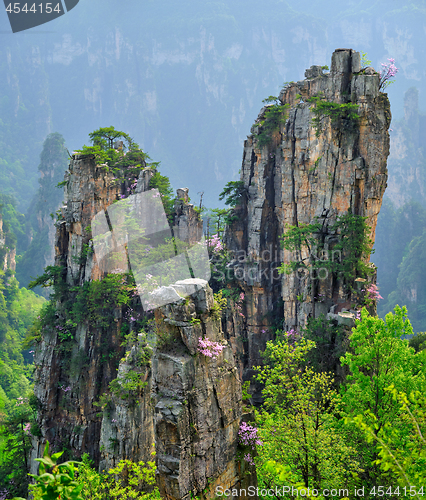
(189, 404)
(300, 177)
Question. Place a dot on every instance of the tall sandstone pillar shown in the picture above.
(304, 175)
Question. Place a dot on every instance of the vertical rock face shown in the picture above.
(115, 396)
(7, 251)
(305, 175)
(188, 226)
(72, 375)
(197, 397)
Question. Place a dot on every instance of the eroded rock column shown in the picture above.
(197, 398)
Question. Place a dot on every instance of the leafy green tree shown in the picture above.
(233, 192)
(217, 218)
(162, 183)
(105, 137)
(17, 426)
(299, 427)
(331, 343)
(274, 116)
(401, 453)
(378, 357)
(352, 248)
(302, 239)
(418, 341)
(103, 147)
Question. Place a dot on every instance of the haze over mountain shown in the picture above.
(185, 79)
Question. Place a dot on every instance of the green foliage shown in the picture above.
(343, 116)
(125, 166)
(219, 304)
(233, 193)
(18, 309)
(13, 223)
(364, 60)
(162, 183)
(56, 480)
(299, 425)
(418, 341)
(79, 481)
(352, 247)
(51, 277)
(377, 358)
(275, 115)
(400, 452)
(245, 388)
(218, 217)
(94, 301)
(300, 239)
(105, 137)
(103, 145)
(126, 480)
(355, 245)
(128, 386)
(15, 434)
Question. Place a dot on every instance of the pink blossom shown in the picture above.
(209, 348)
(248, 435)
(389, 70)
(215, 243)
(27, 429)
(373, 292)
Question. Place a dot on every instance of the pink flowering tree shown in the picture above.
(371, 296)
(388, 71)
(248, 436)
(239, 305)
(215, 244)
(209, 348)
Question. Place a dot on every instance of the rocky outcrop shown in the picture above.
(113, 390)
(197, 397)
(304, 174)
(188, 226)
(72, 374)
(7, 250)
